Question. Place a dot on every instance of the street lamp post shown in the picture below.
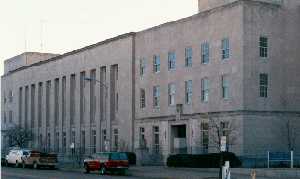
(106, 102)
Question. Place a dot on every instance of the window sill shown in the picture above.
(225, 59)
(172, 69)
(156, 107)
(206, 101)
(156, 72)
(225, 98)
(172, 105)
(205, 63)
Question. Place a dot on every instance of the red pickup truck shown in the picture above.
(37, 159)
(107, 161)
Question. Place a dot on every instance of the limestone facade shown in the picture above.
(234, 62)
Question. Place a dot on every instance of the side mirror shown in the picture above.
(89, 156)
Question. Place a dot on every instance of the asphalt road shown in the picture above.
(20, 173)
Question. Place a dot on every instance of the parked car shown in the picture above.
(37, 159)
(15, 157)
(107, 161)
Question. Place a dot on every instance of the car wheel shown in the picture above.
(23, 164)
(6, 163)
(103, 170)
(86, 169)
(17, 164)
(121, 172)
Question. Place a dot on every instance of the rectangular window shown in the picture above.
(263, 46)
(143, 98)
(156, 139)
(103, 137)
(32, 106)
(10, 96)
(189, 91)
(171, 60)
(205, 89)
(94, 141)
(263, 85)
(116, 132)
(41, 141)
(225, 86)
(48, 95)
(117, 72)
(142, 130)
(56, 101)
(225, 49)
(63, 99)
(143, 67)
(72, 98)
(4, 97)
(64, 142)
(171, 94)
(205, 137)
(57, 141)
(83, 140)
(73, 137)
(188, 57)
(82, 97)
(156, 62)
(205, 53)
(225, 128)
(117, 102)
(156, 96)
(10, 116)
(49, 140)
(4, 116)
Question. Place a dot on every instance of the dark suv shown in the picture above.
(107, 161)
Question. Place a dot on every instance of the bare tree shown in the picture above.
(123, 146)
(288, 126)
(218, 128)
(79, 154)
(19, 136)
(45, 146)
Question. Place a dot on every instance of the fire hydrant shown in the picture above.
(253, 175)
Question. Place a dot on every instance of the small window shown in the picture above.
(99, 156)
(142, 98)
(225, 86)
(156, 96)
(263, 46)
(156, 64)
(93, 156)
(143, 67)
(171, 60)
(4, 97)
(114, 156)
(205, 53)
(189, 90)
(117, 102)
(123, 156)
(225, 128)
(205, 89)
(188, 57)
(10, 96)
(225, 49)
(4, 113)
(264, 85)
(142, 130)
(172, 94)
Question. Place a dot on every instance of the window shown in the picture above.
(10, 96)
(225, 49)
(205, 137)
(171, 94)
(117, 102)
(188, 89)
(142, 130)
(4, 116)
(171, 60)
(263, 85)
(64, 142)
(156, 61)
(143, 67)
(156, 96)
(103, 137)
(263, 46)
(225, 128)
(10, 116)
(205, 89)
(4, 97)
(94, 141)
(205, 53)
(41, 141)
(57, 141)
(225, 86)
(117, 72)
(188, 57)
(116, 132)
(73, 137)
(156, 139)
(142, 98)
(49, 139)
(83, 140)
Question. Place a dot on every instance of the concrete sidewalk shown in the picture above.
(164, 172)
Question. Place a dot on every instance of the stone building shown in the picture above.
(231, 69)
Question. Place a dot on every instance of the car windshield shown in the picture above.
(25, 153)
(93, 156)
(123, 156)
(105, 156)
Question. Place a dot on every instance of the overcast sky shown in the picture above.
(65, 25)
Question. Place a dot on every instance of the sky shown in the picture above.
(60, 26)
